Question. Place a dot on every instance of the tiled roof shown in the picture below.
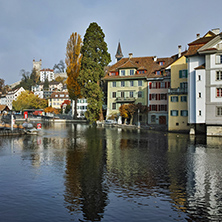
(4, 107)
(147, 63)
(58, 95)
(200, 67)
(198, 43)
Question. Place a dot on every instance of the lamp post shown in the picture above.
(138, 118)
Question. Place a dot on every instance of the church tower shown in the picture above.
(119, 54)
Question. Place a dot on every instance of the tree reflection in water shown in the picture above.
(85, 187)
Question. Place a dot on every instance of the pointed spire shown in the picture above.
(119, 54)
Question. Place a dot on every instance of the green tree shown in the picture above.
(73, 63)
(27, 100)
(95, 58)
(28, 80)
(60, 67)
(46, 84)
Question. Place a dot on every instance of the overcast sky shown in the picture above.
(40, 29)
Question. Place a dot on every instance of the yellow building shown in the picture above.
(57, 98)
(177, 96)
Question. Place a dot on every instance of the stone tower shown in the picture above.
(37, 66)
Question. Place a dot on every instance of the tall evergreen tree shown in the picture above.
(95, 58)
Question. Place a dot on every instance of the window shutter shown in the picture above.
(168, 84)
(186, 73)
(180, 74)
(150, 96)
(150, 85)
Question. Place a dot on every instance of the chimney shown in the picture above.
(198, 35)
(179, 51)
(130, 55)
(155, 58)
(216, 31)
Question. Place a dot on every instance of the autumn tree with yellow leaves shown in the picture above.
(73, 64)
(27, 100)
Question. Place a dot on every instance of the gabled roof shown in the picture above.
(147, 63)
(198, 43)
(4, 107)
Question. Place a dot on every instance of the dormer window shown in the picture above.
(131, 72)
(158, 72)
(161, 63)
(56, 95)
(141, 72)
(122, 73)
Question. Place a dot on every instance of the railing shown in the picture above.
(125, 99)
(177, 91)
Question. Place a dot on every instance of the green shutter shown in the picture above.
(186, 73)
(180, 74)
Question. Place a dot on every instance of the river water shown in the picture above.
(73, 172)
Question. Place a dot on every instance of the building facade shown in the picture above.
(12, 95)
(57, 98)
(177, 96)
(47, 74)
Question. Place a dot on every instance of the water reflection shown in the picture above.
(109, 174)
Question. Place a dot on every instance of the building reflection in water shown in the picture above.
(182, 171)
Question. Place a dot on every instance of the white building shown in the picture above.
(81, 107)
(204, 84)
(3, 100)
(47, 74)
(12, 95)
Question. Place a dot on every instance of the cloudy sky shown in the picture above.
(40, 29)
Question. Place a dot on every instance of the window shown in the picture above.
(131, 72)
(174, 112)
(174, 99)
(199, 112)
(114, 84)
(158, 72)
(114, 94)
(219, 92)
(184, 113)
(163, 96)
(139, 82)
(161, 63)
(153, 107)
(162, 107)
(218, 59)
(131, 83)
(183, 73)
(122, 83)
(199, 95)
(131, 94)
(141, 72)
(154, 85)
(153, 118)
(113, 105)
(183, 85)
(122, 94)
(183, 99)
(140, 94)
(199, 77)
(219, 111)
(219, 75)
(153, 96)
(122, 73)
(162, 85)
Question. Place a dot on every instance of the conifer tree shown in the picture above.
(95, 58)
(73, 63)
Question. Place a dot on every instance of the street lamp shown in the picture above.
(138, 118)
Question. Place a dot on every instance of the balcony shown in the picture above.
(178, 91)
(126, 99)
